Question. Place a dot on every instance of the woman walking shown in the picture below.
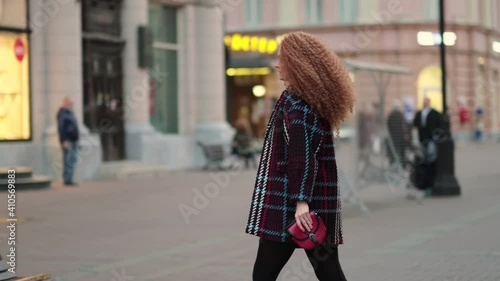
(297, 171)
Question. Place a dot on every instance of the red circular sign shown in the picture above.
(19, 50)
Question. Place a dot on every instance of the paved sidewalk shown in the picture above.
(134, 230)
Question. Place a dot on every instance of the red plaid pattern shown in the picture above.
(297, 163)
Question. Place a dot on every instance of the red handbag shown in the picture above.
(309, 239)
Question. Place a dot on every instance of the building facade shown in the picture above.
(147, 80)
(399, 32)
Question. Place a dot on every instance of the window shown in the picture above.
(488, 13)
(348, 11)
(431, 10)
(368, 11)
(164, 82)
(495, 100)
(253, 12)
(286, 9)
(163, 21)
(473, 11)
(313, 11)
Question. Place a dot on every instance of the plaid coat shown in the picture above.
(297, 163)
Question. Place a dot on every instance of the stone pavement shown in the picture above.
(135, 231)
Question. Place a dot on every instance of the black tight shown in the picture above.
(272, 257)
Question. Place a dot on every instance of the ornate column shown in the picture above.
(57, 25)
(211, 125)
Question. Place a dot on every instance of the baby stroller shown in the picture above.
(401, 169)
(422, 166)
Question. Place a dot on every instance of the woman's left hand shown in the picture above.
(302, 216)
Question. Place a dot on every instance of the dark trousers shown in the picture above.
(249, 158)
(399, 151)
(425, 176)
(70, 157)
(272, 257)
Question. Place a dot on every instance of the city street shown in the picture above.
(163, 229)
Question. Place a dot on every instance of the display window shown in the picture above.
(15, 103)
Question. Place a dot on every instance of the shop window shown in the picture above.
(430, 85)
(15, 109)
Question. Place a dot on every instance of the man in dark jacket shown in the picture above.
(427, 121)
(68, 137)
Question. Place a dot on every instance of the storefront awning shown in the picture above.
(356, 65)
(249, 61)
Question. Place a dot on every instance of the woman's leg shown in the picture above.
(325, 261)
(271, 258)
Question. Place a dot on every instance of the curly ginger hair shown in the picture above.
(314, 72)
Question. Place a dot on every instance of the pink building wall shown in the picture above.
(457, 11)
(270, 13)
(395, 41)
(329, 11)
(235, 17)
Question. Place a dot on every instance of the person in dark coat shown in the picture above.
(243, 143)
(298, 169)
(427, 122)
(68, 137)
(399, 134)
(366, 128)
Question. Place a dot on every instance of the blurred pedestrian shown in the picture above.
(243, 143)
(366, 129)
(298, 170)
(399, 135)
(68, 137)
(463, 115)
(478, 134)
(427, 121)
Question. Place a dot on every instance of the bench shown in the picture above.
(215, 155)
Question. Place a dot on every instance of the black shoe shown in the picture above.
(72, 184)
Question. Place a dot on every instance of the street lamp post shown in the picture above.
(446, 182)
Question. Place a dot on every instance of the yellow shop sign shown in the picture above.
(245, 43)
